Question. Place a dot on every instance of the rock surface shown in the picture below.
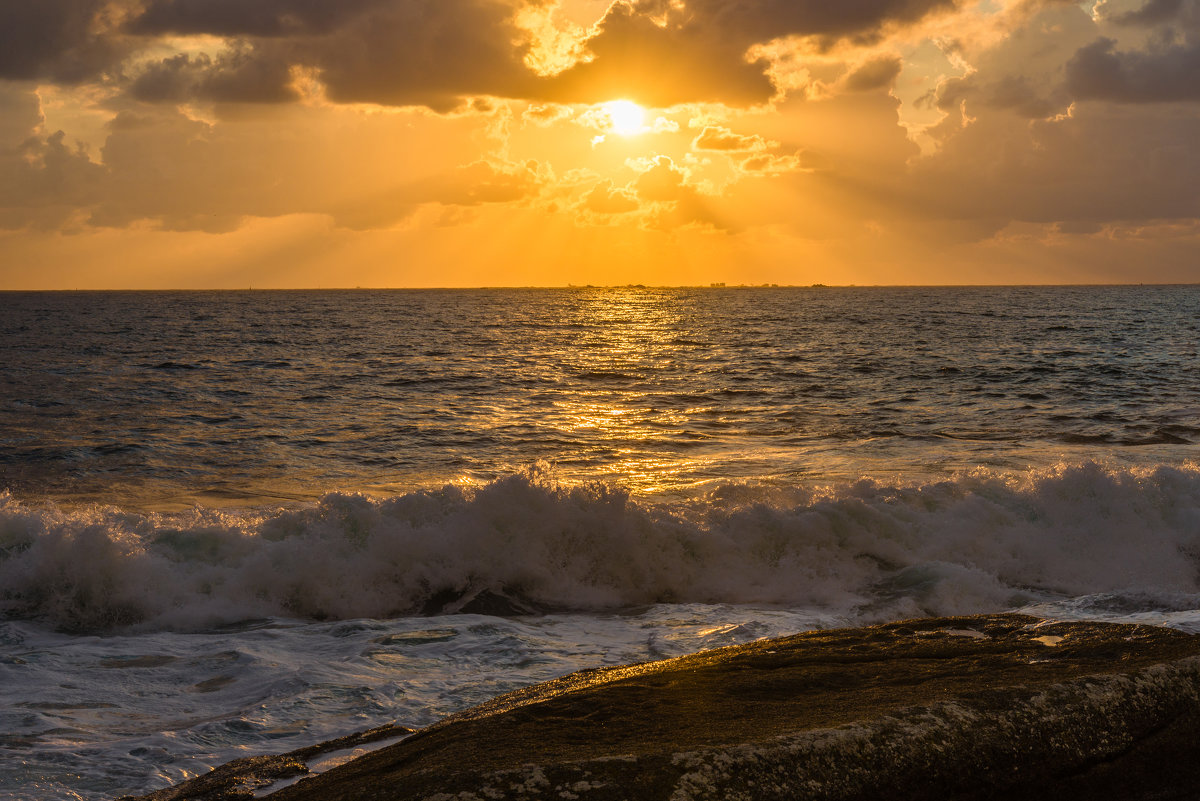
(984, 707)
(250, 776)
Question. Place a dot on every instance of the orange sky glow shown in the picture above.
(410, 143)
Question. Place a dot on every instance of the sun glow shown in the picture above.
(627, 117)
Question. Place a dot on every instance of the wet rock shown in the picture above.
(985, 707)
(247, 778)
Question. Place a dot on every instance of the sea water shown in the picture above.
(242, 522)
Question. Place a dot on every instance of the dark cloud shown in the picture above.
(661, 54)
(1022, 73)
(754, 21)
(1168, 74)
(435, 53)
(61, 40)
(634, 57)
(398, 52)
(267, 18)
(1017, 93)
(879, 73)
(1154, 12)
(422, 52)
(394, 52)
(1101, 163)
(237, 76)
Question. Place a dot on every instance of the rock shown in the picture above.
(985, 707)
(244, 778)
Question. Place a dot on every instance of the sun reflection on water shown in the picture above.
(634, 427)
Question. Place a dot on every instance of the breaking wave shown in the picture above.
(979, 542)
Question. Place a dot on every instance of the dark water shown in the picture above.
(161, 398)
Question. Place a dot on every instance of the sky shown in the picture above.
(149, 144)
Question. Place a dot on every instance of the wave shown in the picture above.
(867, 550)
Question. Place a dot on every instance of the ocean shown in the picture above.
(235, 523)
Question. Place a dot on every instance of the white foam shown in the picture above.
(864, 550)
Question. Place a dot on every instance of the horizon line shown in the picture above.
(495, 287)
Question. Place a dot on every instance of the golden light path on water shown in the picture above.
(639, 332)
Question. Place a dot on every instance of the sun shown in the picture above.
(627, 117)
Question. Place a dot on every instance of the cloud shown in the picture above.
(605, 199)
(878, 73)
(235, 76)
(1047, 124)
(758, 21)
(663, 53)
(633, 56)
(664, 125)
(1098, 164)
(546, 114)
(1017, 93)
(44, 182)
(69, 41)
(364, 170)
(1021, 72)
(679, 203)
(484, 181)
(20, 114)
(715, 137)
(433, 53)
(770, 164)
(661, 181)
(239, 18)
(1154, 12)
(422, 52)
(1164, 75)
(751, 150)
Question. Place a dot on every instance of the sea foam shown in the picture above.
(864, 550)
